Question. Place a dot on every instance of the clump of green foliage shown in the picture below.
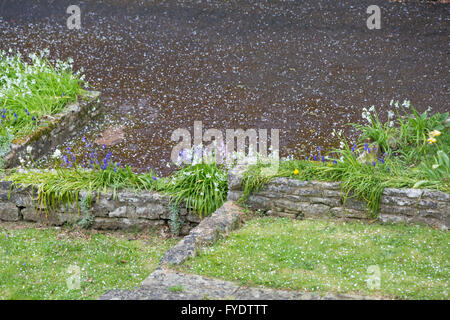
(32, 91)
(202, 187)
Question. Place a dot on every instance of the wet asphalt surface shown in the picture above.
(304, 67)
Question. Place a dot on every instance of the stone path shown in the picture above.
(169, 285)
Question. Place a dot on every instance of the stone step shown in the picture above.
(170, 285)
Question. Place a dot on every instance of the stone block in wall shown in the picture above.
(185, 229)
(124, 223)
(436, 195)
(392, 209)
(331, 202)
(151, 211)
(400, 201)
(234, 195)
(428, 204)
(235, 177)
(102, 206)
(341, 212)
(21, 199)
(9, 212)
(309, 192)
(257, 202)
(120, 212)
(407, 192)
(291, 215)
(51, 217)
(332, 194)
(4, 195)
(193, 218)
(282, 204)
(165, 213)
(284, 186)
(336, 186)
(315, 210)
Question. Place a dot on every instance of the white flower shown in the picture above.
(56, 154)
(390, 114)
(406, 103)
(29, 149)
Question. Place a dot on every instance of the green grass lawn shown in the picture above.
(36, 263)
(332, 256)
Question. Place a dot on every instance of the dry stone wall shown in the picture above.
(128, 209)
(286, 197)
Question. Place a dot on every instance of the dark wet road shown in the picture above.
(304, 67)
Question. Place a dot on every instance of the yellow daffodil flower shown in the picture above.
(435, 133)
(431, 140)
(296, 171)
